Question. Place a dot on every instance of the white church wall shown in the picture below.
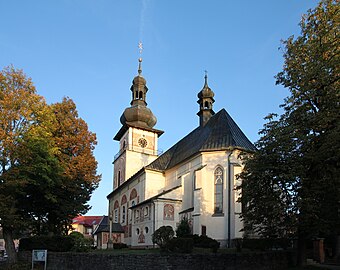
(154, 183)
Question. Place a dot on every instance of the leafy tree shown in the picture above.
(291, 185)
(75, 144)
(162, 236)
(183, 228)
(47, 167)
(22, 111)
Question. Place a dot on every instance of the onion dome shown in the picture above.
(206, 92)
(138, 114)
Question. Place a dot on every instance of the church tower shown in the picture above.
(205, 100)
(138, 139)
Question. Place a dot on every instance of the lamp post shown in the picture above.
(110, 242)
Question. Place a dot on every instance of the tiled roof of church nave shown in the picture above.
(220, 133)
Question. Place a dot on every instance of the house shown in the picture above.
(86, 224)
(101, 233)
(194, 179)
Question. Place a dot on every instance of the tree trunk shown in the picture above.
(301, 249)
(9, 245)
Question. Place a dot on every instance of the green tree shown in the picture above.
(22, 111)
(162, 236)
(291, 185)
(183, 228)
(47, 166)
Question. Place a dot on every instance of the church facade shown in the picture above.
(194, 179)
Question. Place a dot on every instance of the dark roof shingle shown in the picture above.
(220, 133)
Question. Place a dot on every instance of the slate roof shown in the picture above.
(105, 227)
(219, 133)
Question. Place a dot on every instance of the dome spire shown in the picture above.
(206, 78)
(140, 47)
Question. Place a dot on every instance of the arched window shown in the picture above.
(206, 105)
(218, 198)
(136, 94)
(140, 95)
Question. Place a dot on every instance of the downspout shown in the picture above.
(229, 199)
(154, 221)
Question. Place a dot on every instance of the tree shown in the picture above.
(47, 166)
(75, 144)
(183, 228)
(162, 236)
(22, 111)
(291, 184)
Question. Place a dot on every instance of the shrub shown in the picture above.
(266, 243)
(51, 243)
(119, 245)
(183, 228)
(204, 241)
(181, 245)
(81, 243)
(162, 236)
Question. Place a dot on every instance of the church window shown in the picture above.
(136, 94)
(123, 214)
(137, 231)
(146, 229)
(119, 178)
(204, 230)
(137, 215)
(146, 211)
(218, 198)
(140, 95)
(116, 216)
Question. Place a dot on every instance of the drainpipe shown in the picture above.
(154, 221)
(229, 199)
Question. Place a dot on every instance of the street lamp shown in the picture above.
(110, 241)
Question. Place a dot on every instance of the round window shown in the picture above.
(142, 142)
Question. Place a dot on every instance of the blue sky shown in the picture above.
(88, 50)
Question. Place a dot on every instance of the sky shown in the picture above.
(88, 50)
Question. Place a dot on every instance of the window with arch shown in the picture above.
(206, 105)
(119, 178)
(140, 95)
(218, 195)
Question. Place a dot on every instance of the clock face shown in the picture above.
(142, 142)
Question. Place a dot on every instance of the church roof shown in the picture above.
(219, 133)
(105, 227)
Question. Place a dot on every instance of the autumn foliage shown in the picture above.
(47, 167)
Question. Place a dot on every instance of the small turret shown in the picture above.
(205, 100)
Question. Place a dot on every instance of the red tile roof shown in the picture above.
(87, 220)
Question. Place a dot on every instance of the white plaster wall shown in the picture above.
(154, 183)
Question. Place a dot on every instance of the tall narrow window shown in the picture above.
(119, 178)
(218, 204)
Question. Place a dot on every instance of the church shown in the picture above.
(194, 179)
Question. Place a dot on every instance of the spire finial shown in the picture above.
(206, 78)
(140, 47)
